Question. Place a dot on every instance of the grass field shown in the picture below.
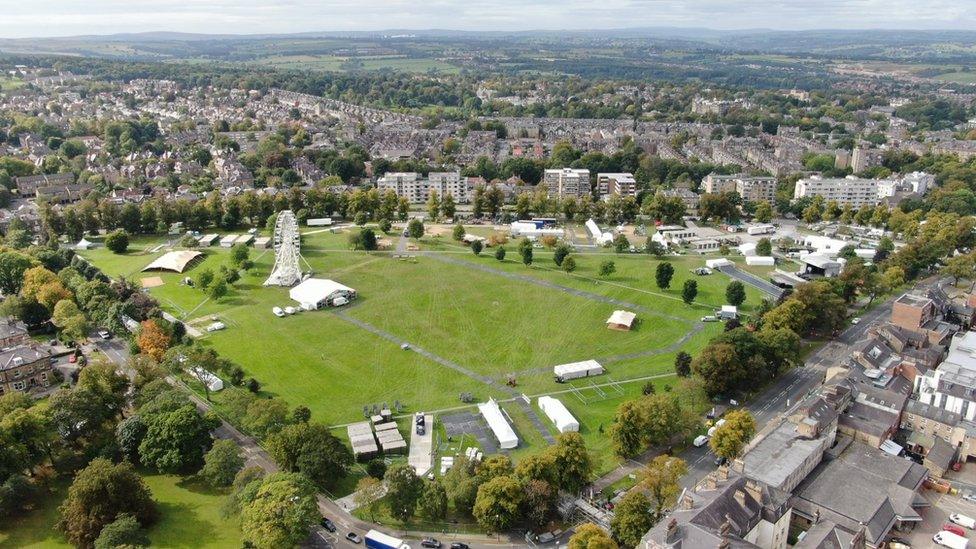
(480, 316)
(190, 517)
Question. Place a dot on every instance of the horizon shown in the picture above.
(63, 19)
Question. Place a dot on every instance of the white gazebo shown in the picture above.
(312, 293)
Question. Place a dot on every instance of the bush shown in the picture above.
(569, 264)
(500, 254)
(386, 225)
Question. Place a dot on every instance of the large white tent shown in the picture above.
(559, 414)
(507, 439)
(575, 370)
(174, 261)
(314, 292)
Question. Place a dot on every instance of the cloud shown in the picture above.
(64, 17)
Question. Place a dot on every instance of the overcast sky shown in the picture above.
(24, 18)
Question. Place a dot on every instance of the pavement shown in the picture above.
(748, 278)
(422, 447)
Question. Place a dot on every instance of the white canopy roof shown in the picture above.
(625, 318)
(559, 414)
(590, 366)
(507, 439)
(315, 290)
(173, 261)
(83, 244)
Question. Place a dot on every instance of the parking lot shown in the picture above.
(467, 423)
(935, 516)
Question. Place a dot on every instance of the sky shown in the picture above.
(22, 18)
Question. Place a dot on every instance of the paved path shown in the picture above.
(763, 286)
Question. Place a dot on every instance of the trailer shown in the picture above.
(576, 370)
(319, 222)
(378, 540)
(761, 229)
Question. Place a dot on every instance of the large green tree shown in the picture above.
(176, 441)
(278, 511)
(311, 449)
(730, 438)
(222, 463)
(403, 490)
(498, 505)
(632, 518)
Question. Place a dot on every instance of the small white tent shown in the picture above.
(83, 244)
(559, 414)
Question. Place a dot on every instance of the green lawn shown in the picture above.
(190, 517)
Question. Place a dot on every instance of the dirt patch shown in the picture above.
(152, 282)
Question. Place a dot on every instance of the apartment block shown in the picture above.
(849, 190)
(616, 184)
(416, 189)
(567, 182)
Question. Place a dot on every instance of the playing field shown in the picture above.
(472, 321)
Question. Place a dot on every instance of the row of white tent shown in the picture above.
(554, 409)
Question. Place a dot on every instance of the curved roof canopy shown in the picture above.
(174, 261)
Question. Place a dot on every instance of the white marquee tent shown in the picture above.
(559, 414)
(507, 439)
(174, 261)
(313, 292)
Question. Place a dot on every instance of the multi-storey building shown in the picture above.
(616, 184)
(862, 159)
(416, 190)
(850, 190)
(448, 183)
(752, 189)
(567, 182)
(25, 368)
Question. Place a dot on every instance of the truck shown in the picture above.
(963, 520)
(950, 540)
(378, 540)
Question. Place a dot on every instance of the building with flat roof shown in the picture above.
(851, 190)
(566, 182)
(616, 184)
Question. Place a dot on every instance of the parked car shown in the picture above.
(430, 543)
(216, 327)
(700, 441)
(105, 334)
(278, 312)
(419, 418)
(421, 430)
(963, 520)
(459, 545)
(709, 318)
(354, 537)
(969, 496)
(290, 310)
(954, 528)
(328, 525)
(856, 320)
(950, 540)
(719, 461)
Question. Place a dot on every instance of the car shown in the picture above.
(948, 539)
(700, 441)
(278, 312)
(719, 461)
(430, 543)
(354, 537)
(954, 528)
(421, 430)
(419, 418)
(898, 543)
(969, 496)
(963, 520)
(216, 327)
(459, 545)
(328, 525)
(405, 346)
(856, 320)
(105, 334)
(709, 318)
(290, 310)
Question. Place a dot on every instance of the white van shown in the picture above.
(709, 318)
(339, 301)
(700, 441)
(963, 520)
(946, 538)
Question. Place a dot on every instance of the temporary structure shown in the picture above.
(314, 292)
(83, 244)
(621, 320)
(174, 261)
(576, 370)
(212, 382)
(507, 439)
(761, 260)
(559, 414)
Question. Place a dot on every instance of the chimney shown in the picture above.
(754, 489)
(710, 482)
(687, 502)
(740, 498)
(672, 534)
(723, 472)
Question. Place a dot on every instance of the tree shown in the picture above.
(764, 212)
(433, 206)
(569, 264)
(385, 225)
(222, 463)
(310, 449)
(67, 316)
(264, 416)
(591, 536)
(433, 501)
(661, 477)
(13, 265)
(764, 247)
(682, 364)
(960, 266)
(735, 293)
(560, 253)
(217, 289)
(632, 519)
(369, 491)
(125, 531)
(403, 490)
(627, 430)
(729, 439)
(205, 278)
(571, 461)
(129, 434)
(278, 511)
(367, 239)
(498, 504)
(117, 241)
(301, 414)
(153, 340)
(654, 248)
(415, 228)
(476, 247)
(448, 206)
(620, 243)
(99, 494)
(176, 441)
(539, 502)
(663, 275)
(458, 232)
(500, 253)
(607, 268)
(526, 253)
(689, 291)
